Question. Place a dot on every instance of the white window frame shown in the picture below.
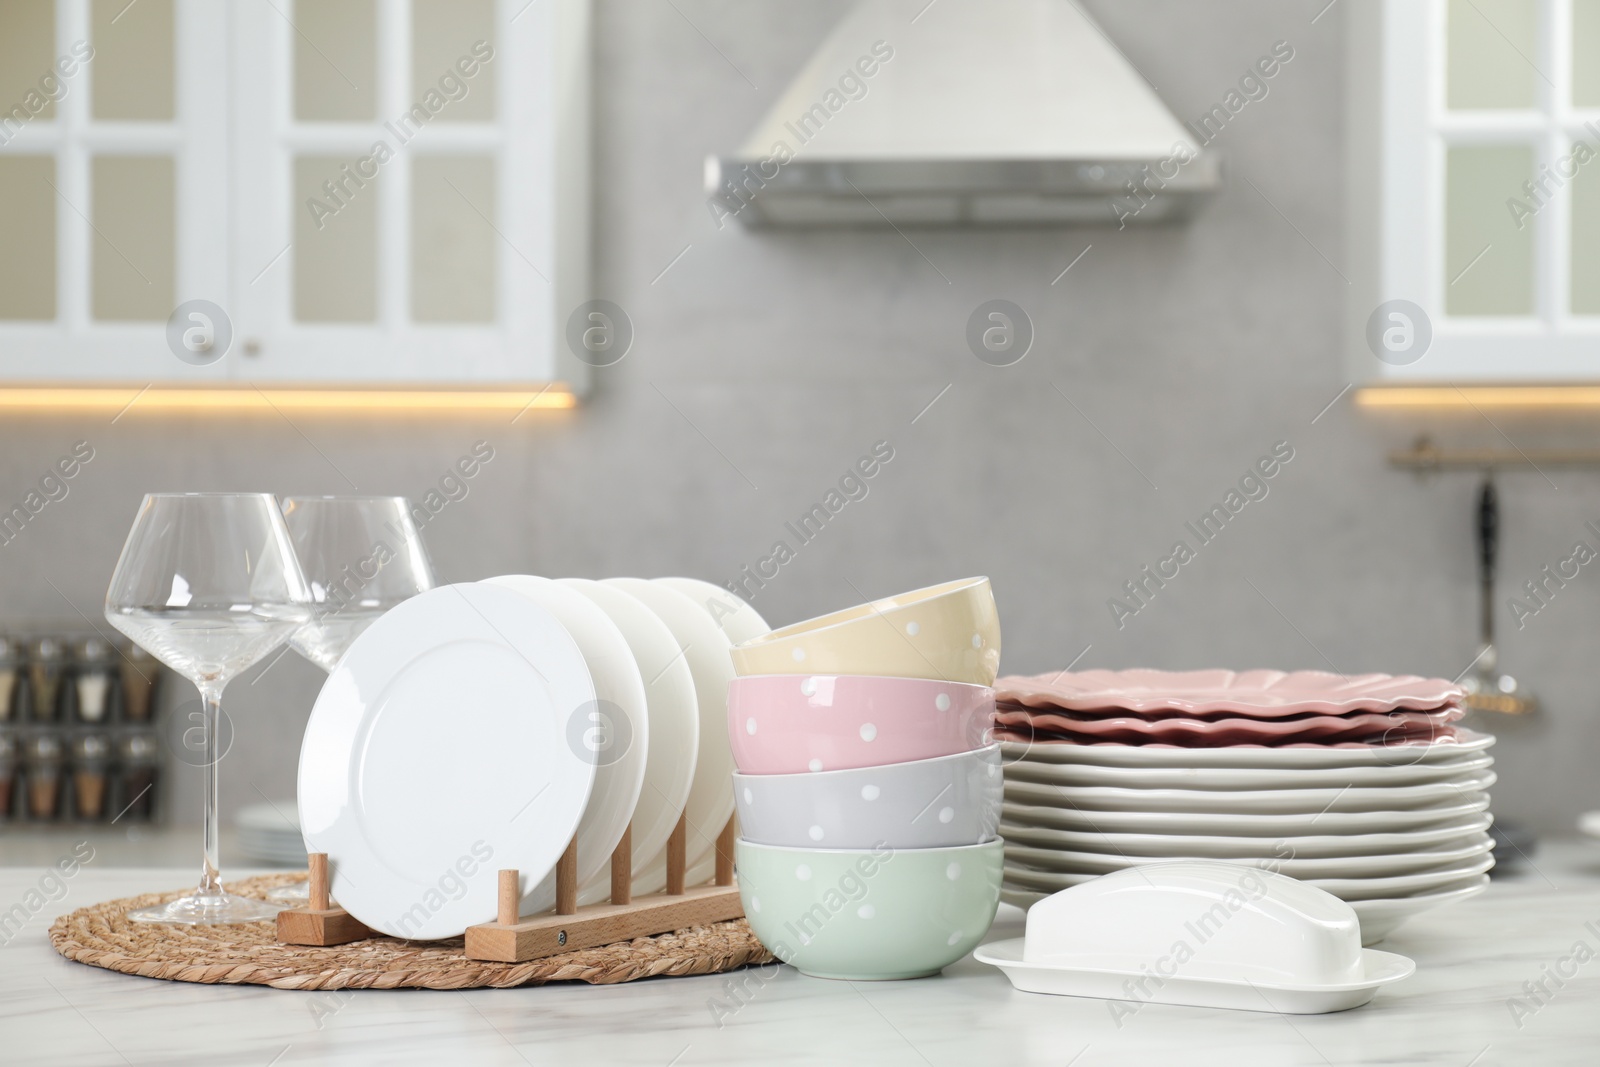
(1399, 130)
(540, 136)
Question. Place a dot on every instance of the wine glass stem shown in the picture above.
(210, 875)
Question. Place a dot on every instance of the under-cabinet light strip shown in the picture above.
(133, 399)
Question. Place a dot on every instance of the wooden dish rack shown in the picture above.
(512, 938)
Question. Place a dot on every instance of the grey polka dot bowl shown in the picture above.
(931, 803)
(869, 914)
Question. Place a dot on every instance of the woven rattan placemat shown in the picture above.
(249, 953)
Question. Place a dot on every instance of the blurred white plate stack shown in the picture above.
(1294, 773)
(270, 833)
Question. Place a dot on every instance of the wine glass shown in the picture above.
(361, 556)
(208, 583)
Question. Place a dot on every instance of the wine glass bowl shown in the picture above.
(361, 556)
(208, 583)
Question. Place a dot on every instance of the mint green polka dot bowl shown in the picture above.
(870, 914)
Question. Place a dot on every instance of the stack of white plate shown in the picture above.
(1393, 829)
(270, 833)
(489, 725)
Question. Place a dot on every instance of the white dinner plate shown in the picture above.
(613, 733)
(1029, 770)
(674, 729)
(1344, 888)
(1282, 859)
(1213, 846)
(738, 619)
(1261, 801)
(707, 650)
(437, 755)
(1379, 918)
(1310, 755)
(1244, 824)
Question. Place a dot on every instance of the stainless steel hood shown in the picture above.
(964, 112)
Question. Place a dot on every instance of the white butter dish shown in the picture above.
(1203, 933)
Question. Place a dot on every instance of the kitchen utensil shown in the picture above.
(613, 733)
(1355, 845)
(418, 809)
(1486, 688)
(1021, 851)
(931, 803)
(1378, 918)
(1293, 756)
(1345, 888)
(1257, 801)
(1261, 694)
(738, 620)
(1246, 824)
(1346, 879)
(1027, 768)
(270, 831)
(209, 584)
(674, 731)
(787, 723)
(705, 648)
(1201, 933)
(869, 915)
(948, 632)
(1361, 725)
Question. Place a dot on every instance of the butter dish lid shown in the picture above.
(1191, 924)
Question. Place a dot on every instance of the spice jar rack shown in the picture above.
(79, 741)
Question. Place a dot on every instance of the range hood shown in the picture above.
(964, 112)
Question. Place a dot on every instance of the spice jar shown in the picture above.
(44, 758)
(10, 665)
(92, 680)
(140, 672)
(47, 661)
(91, 762)
(8, 771)
(139, 755)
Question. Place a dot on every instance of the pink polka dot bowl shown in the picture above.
(792, 723)
(931, 803)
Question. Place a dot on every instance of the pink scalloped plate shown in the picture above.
(1262, 694)
(1393, 727)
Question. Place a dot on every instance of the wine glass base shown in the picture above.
(208, 910)
(293, 893)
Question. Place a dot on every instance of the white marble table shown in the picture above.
(1471, 959)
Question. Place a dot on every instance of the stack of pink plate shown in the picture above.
(1362, 785)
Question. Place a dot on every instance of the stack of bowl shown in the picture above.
(867, 787)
